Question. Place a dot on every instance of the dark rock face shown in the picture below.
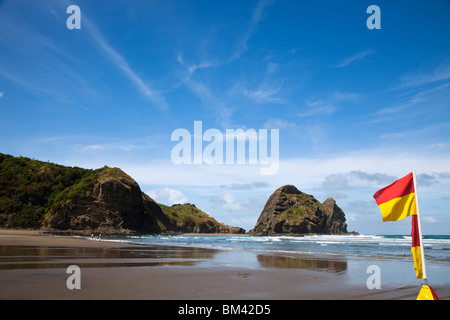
(335, 222)
(290, 211)
(115, 204)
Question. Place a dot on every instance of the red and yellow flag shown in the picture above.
(398, 201)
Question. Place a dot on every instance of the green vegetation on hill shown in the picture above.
(30, 188)
(305, 205)
(188, 218)
(35, 194)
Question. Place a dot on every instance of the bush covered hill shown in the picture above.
(30, 188)
(188, 218)
(36, 194)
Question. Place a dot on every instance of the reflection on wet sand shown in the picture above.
(31, 257)
(274, 261)
(43, 257)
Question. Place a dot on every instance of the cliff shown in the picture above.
(36, 194)
(114, 204)
(290, 211)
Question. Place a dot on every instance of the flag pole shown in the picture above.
(420, 231)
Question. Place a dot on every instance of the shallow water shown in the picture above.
(346, 256)
(31, 257)
(437, 248)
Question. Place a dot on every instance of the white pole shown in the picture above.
(420, 231)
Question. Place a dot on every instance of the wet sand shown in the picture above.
(34, 266)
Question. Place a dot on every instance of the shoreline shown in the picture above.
(42, 238)
(33, 266)
(87, 233)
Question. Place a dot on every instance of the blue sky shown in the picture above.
(355, 108)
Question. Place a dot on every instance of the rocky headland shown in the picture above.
(290, 211)
(56, 198)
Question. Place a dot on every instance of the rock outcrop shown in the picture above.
(115, 204)
(335, 222)
(290, 211)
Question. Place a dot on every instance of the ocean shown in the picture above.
(350, 256)
(437, 247)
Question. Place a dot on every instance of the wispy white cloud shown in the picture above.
(440, 73)
(168, 195)
(200, 89)
(111, 147)
(430, 219)
(319, 107)
(245, 186)
(252, 26)
(278, 123)
(1, 94)
(45, 66)
(266, 92)
(91, 147)
(345, 96)
(419, 101)
(329, 105)
(230, 202)
(226, 201)
(272, 67)
(193, 67)
(204, 92)
(114, 56)
(356, 179)
(45, 61)
(356, 57)
(219, 102)
(266, 89)
(103, 149)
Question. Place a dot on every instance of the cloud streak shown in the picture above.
(245, 186)
(115, 57)
(219, 102)
(257, 17)
(356, 57)
(440, 73)
(266, 93)
(316, 108)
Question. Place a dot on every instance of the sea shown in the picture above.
(436, 247)
(353, 257)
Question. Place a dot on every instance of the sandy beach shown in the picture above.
(34, 266)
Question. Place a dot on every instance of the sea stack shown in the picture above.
(290, 211)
